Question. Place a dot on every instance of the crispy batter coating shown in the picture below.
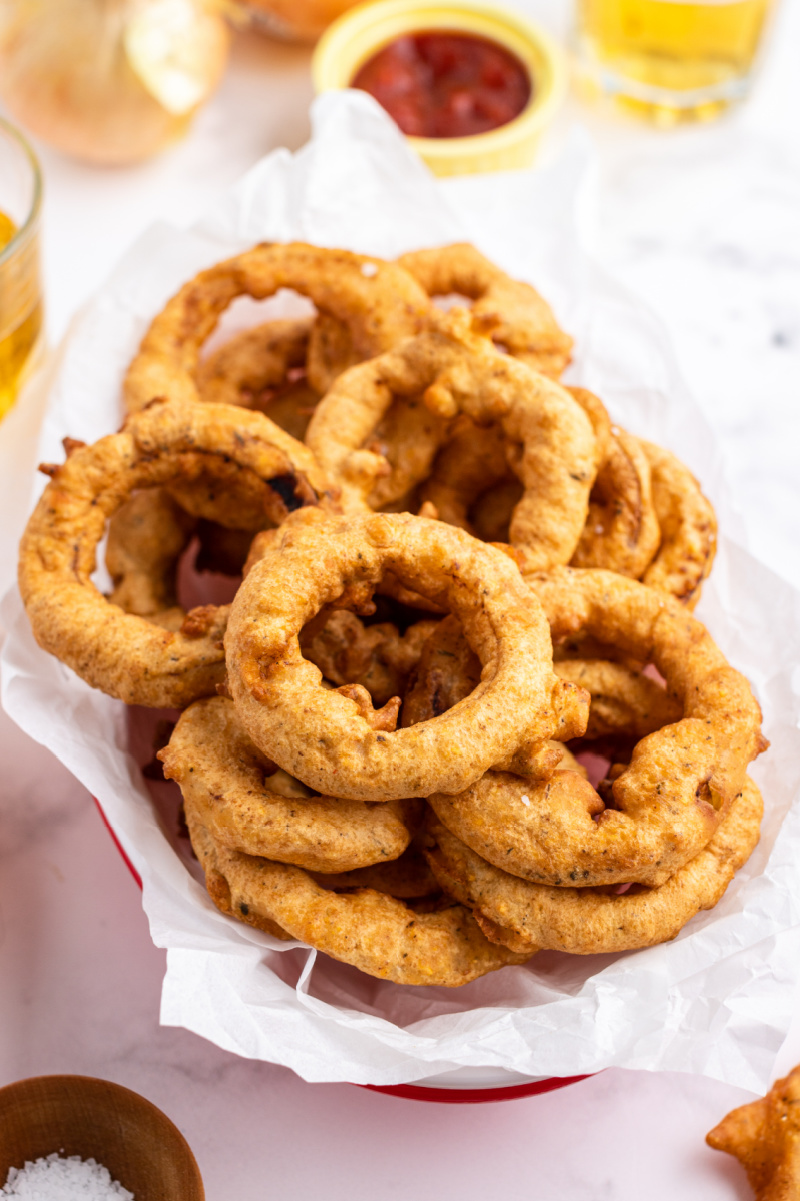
(229, 783)
(688, 528)
(123, 654)
(335, 742)
(370, 930)
(378, 301)
(589, 921)
(377, 656)
(765, 1138)
(523, 321)
(681, 779)
(455, 370)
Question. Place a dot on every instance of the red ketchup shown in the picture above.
(446, 85)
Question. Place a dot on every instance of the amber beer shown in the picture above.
(20, 291)
(670, 61)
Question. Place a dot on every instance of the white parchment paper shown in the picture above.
(719, 999)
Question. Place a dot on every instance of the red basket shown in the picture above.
(416, 1092)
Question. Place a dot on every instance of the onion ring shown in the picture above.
(670, 799)
(370, 930)
(125, 655)
(523, 320)
(688, 528)
(227, 781)
(378, 301)
(457, 370)
(335, 742)
(589, 921)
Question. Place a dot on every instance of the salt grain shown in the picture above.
(369, 270)
(525, 800)
(57, 1179)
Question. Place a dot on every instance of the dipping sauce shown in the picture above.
(446, 85)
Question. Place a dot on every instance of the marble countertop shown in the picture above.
(704, 224)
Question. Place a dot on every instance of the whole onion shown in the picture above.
(109, 81)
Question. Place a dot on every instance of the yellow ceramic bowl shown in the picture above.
(363, 31)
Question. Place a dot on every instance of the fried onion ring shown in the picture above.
(335, 742)
(379, 302)
(681, 779)
(227, 781)
(523, 321)
(370, 930)
(457, 370)
(589, 921)
(126, 655)
(688, 528)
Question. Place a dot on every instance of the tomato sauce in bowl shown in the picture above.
(441, 84)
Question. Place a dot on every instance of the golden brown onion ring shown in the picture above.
(523, 321)
(370, 930)
(681, 779)
(378, 301)
(228, 783)
(123, 654)
(590, 921)
(688, 528)
(457, 370)
(336, 742)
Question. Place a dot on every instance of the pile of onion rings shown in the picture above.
(458, 709)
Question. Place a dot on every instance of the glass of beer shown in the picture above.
(667, 60)
(20, 288)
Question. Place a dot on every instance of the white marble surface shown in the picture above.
(705, 225)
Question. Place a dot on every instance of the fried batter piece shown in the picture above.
(379, 302)
(522, 320)
(374, 932)
(245, 807)
(588, 921)
(765, 1138)
(335, 741)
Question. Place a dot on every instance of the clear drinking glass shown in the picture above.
(667, 60)
(20, 288)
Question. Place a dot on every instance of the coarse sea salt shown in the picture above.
(59, 1179)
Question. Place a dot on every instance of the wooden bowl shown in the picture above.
(77, 1115)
